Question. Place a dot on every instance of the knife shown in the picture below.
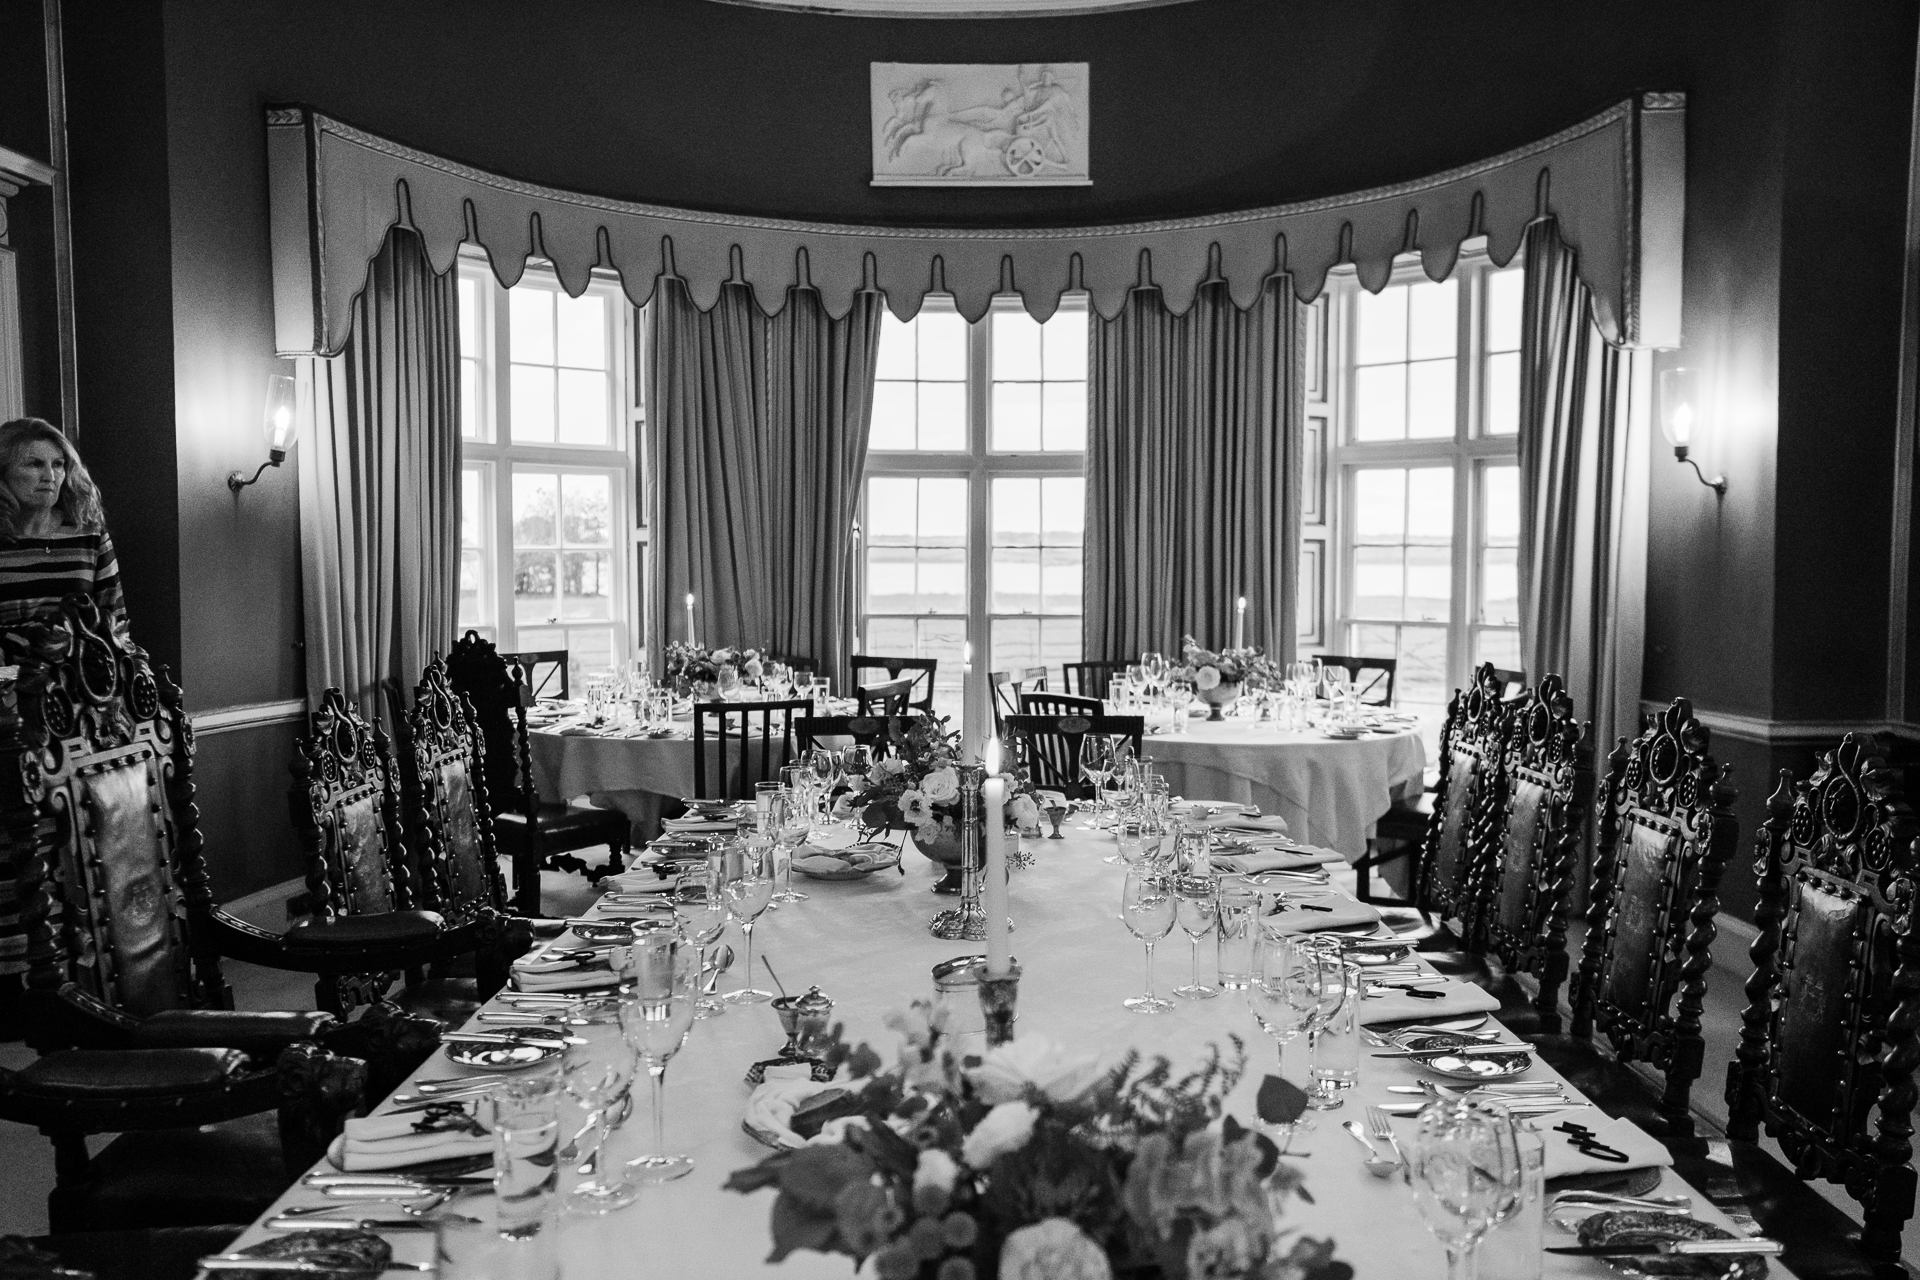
(394, 1180)
(242, 1262)
(1459, 1050)
(348, 1224)
(488, 1037)
(1679, 1248)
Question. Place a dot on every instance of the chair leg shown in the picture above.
(526, 879)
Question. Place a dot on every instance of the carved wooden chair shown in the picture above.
(759, 734)
(217, 1110)
(1050, 746)
(1548, 784)
(1372, 677)
(1466, 807)
(1090, 679)
(1666, 830)
(923, 669)
(886, 698)
(545, 671)
(1829, 1033)
(536, 834)
(1059, 704)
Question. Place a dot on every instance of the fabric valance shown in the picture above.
(1614, 182)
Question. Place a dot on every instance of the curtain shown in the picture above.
(1193, 464)
(1585, 414)
(759, 442)
(380, 483)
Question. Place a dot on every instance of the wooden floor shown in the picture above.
(28, 1158)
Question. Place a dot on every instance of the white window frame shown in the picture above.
(496, 456)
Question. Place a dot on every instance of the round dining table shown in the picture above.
(865, 944)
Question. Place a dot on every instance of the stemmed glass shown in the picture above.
(1180, 693)
(655, 1024)
(1097, 761)
(790, 833)
(856, 762)
(597, 1076)
(1146, 904)
(749, 891)
(1275, 1007)
(706, 921)
(1464, 1168)
(1194, 909)
(824, 765)
(1153, 665)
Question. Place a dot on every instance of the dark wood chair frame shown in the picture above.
(1666, 830)
(1007, 689)
(1059, 704)
(1467, 800)
(878, 732)
(1833, 1027)
(554, 682)
(734, 722)
(1384, 670)
(922, 667)
(1090, 679)
(1049, 746)
(885, 698)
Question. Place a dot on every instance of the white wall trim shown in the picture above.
(1787, 732)
(251, 715)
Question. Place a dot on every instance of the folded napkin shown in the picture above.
(700, 824)
(1234, 820)
(1457, 999)
(1247, 864)
(641, 880)
(531, 974)
(1297, 919)
(576, 730)
(448, 1131)
(1564, 1158)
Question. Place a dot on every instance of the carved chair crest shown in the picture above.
(495, 693)
(1830, 1025)
(454, 837)
(346, 809)
(1666, 831)
(1472, 762)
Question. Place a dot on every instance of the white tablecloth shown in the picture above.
(1330, 792)
(865, 943)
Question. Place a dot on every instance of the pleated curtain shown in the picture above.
(1193, 465)
(1585, 418)
(759, 441)
(380, 483)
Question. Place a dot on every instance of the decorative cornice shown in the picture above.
(1789, 732)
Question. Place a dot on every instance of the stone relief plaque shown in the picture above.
(976, 125)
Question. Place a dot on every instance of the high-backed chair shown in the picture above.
(1007, 688)
(924, 670)
(1548, 787)
(1372, 677)
(536, 834)
(1828, 1043)
(1059, 704)
(759, 734)
(1050, 746)
(1466, 799)
(217, 1110)
(547, 672)
(885, 698)
(1666, 830)
(1090, 679)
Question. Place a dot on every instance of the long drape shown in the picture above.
(759, 441)
(1193, 445)
(1584, 422)
(380, 483)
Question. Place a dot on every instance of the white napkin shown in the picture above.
(698, 824)
(1457, 999)
(1247, 864)
(1296, 920)
(1642, 1150)
(770, 1109)
(410, 1137)
(531, 974)
(643, 881)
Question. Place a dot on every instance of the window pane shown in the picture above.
(943, 415)
(1016, 347)
(1059, 641)
(1379, 582)
(1430, 503)
(1503, 394)
(531, 331)
(889, 635)
(586, 585)
(1433, 320)
(534, 580)
(893, 416)
(1380, 402)
(1501, 648)
(1066, 346)
(470, 512)
(1016, 416)
(583, 407)
(533, 509)
(1379, 504)
(943, 579)
(586, 511)
(1016, 513)
(1504, 292)
(1430, 406)
(469, 400)
(1500, 587)
(1502, 486)
(1063, 508)
(891, 580)
(891, 509)
(1381, 325)
(1016, 580)
(532, 403)
(942, 345)
(473, 579)
(943, 511)
(1060, 578)
(1016, 644)
(1066, 416)
(896, 349)
(1422, 677)
(589, 652)
(469, 316)
(583, 331)
(1429, 583)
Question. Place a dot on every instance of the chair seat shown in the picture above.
(260, 1035)
(165, 1253)
(385, 928)
(228, 1172)
(80, 1075)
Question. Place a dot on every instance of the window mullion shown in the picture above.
(979, 539)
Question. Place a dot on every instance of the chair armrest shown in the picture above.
(546, 926)
(259, 1035)
(70, 1018)
(384, 931)
(114, 1090)
(351, 944)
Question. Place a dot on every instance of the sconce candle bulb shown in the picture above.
(1678, 413)
(282, 419)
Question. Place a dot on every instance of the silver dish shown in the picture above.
(1478, 1068)
(503, 1057)
(1635, 1226)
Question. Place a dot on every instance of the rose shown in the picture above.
(941, 786)
(894, 765)
(1003, 1130)
(1054, 1249)
(1225, 1251)
(754, 669)
(1009, 1070)
(915, 808)
(1026, 814)
(1207, 677)
(722, 655)
(935, 1169)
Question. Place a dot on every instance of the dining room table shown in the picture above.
(866, 945)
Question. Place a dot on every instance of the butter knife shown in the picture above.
(1759, 1245)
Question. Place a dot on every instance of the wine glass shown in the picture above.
(655, 1025)
(1146, 904)
(856, 761)
(1181, 694)
(1153, 666)
(749, 890)
(1194, 908)
(1097, 761)
(597, 1075)
(824, 764)
(707, 917)
(790, 834)
(1279, 1013)
(1464, 1168)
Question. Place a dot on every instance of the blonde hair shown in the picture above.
(79, 499)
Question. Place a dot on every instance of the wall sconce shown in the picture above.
(1679, 413)
(282, 423)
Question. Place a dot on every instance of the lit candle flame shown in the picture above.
(991, 757)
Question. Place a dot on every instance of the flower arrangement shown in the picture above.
(1033, 1163)
(1209, 669)
(916, 787)
(695, 664)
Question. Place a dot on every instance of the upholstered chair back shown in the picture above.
(494, 694)
(452, 828)
(347, 811)
(1472, 768)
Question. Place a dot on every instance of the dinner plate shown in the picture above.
(1480, 1068)
(601, 932)
(1369, 959)
(1631, 1226)
(503, 1057)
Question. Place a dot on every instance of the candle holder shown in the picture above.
(998, 1000)
(968, 921)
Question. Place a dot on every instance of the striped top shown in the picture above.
(38, 573)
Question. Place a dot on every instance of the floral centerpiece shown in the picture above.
(700, 671)
(1218, 675)
(1035, 1164)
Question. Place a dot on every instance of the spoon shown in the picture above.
(1377, 1165)
(722, 961)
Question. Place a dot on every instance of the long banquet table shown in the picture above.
(865, 943)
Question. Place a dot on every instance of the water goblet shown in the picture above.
(790, 834)
(706, 922)
(1279, 1013)
(749, 891)
(597, 1075)
(655, 1026)
(1464, 1169)
(1147, 906)
(1097, 761)
(1195, 908)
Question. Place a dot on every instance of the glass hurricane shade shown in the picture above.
(1678, 407)
(282, 420)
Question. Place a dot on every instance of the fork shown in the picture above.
(1382, 1128)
